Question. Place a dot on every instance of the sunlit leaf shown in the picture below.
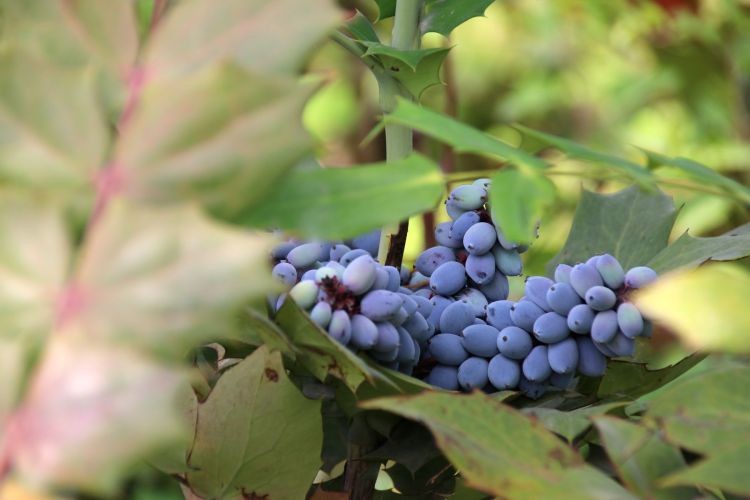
(690, 251)
(498, 450)
(442, 16)
(705, 307)
(632, 170)
(518, 200)
(462, 137)
(223, 137)
(338, 202)
(632, 225)
(166, 279)
(85, 402)
(641, 458)
(52, 133)
(257, 435)
(202, 32)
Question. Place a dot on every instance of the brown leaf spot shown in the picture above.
(272, 376)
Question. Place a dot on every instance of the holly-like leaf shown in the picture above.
(498, 450)
(641, 458)
(387, 8)
(705, 307)
(633, 225)
(442, 16)
(708, 413)
(518, 200)
(38, 103)
(338, 202)
(689, 251)
(202, 32)
(417, 70)
(700, 173)
(361, 28)
(627, 379)
(570, 424)
(462, 137)
(629, 169)
(223, 137)
(319, 353)
(166, 279)
(86, 400)
(256, 435)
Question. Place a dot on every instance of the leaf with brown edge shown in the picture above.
(498, 450)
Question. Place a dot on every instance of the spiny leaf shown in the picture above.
(689, 251)
(442, 16)
(705, 307)
(633, 225)
(570, 424)
(626, 379)
(498, 450)
(462, 137)
(338, 202)
(362, 28)
(636, 172)
(243, 31)
(387, 8)
(416, 70)
(256, 434)
(518, 200)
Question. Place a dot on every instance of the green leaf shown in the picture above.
(35, 255)
(627, 379)
(518, 200)
(709, 413)
(442, 16)
(637, 173)
(85, 401)
(338, 203)
(38, 103)
(632, 225)
(689, 251)
(700, 173)
(498, 450)
(202, 32)
(166, 279)
(269, 333)
(256, 434)
(462, 137)
(319, 353)
(705, 307)
(362, 28)
(387, 9)
(641, 458)
(222, 137)
(417, 70)
(570, 424)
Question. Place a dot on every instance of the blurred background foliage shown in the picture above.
(671, 76)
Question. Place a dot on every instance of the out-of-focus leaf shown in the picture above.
(570, 424)
(387, 8)
(689, 251)
(52, 134)
(269, 333)
(462, 137)
(442, 16)
(709, 413)
(626, 379)
(704, 175)
(632, 225)
(362, 28)
(107, 29)
(633, 171)
(201, 32)
(16, 355)
(85, 402)
(518, 200)
(166, 279)
(705, 307)
(338, 203)
(319, 353)
(257, 435)
(417, 70)
(641, 458)
(224, 137)
(498, 450)
(173, 460)
(35, 254)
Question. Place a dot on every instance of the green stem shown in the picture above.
(398, 139)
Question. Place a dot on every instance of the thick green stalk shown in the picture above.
(398, 139)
